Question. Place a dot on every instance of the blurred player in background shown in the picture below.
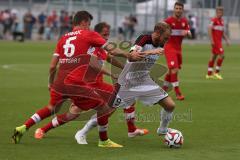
(104, 30)
(216, 33)
(173, 48)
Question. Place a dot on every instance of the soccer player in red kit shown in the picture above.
(72, 80)
(103, 29)
(216, 33)
(173, 48)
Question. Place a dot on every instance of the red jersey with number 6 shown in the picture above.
(74, 52)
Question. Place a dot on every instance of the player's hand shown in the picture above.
(185, 33)
(158, 51)
(49, 86)
(228, 42)
(114, 76)
(212, 43)
(136, 56)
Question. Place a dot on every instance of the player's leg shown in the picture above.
(218, 66)
(171, 60)
(166, 114)
(104, 90)
(174, 61)
(66, 117)
(57, 121)
(133, 131)
(103, 113)
(55, 102)
(159, 96)
(81, 134)
(175, 83)
(211, 62)
(166, 82)
(101, 120)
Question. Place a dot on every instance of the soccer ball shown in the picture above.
(173, 138)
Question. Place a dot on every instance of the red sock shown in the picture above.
(177, 90)
(47, 127)
(210, 67)
(219, 64)
(58, 121)
(175, 83)
(38, 116)
(130, 118)
(166, 82)
(102, 126)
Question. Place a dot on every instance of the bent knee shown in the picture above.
(174, 70)
(170, 106)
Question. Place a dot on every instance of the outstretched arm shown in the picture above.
(114, 61)
(100, 68)
(133, 56)
(158, 51)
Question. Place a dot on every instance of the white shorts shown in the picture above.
(148, 94)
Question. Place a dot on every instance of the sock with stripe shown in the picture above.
(38, 116)
(130, 118)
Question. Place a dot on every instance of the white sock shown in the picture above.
(89, 125)
(166, 117)
(55, 122)
(166, 83)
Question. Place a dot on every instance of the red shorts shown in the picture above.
(174, 60)
(101, 93)
(217, 49)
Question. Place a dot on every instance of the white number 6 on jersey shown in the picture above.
(69, 48)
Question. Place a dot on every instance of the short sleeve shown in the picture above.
(58, 49)
(139, 43)
(211, 23)
(168, 21)
(95, 39)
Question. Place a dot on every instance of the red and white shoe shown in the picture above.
(39, 133)
(180, 97)
(138, 132)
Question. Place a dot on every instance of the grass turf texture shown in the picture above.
(208, 118)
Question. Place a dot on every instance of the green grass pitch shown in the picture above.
(208, 118)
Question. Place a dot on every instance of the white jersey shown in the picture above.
(136, 74)
(135, 81)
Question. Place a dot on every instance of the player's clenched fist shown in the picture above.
(136, 56)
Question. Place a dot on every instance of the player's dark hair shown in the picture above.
(99, 27)
(219, 8)
(179, 4)
(162, 27)
(81, 16)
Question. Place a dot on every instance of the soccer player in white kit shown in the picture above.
(135, 82)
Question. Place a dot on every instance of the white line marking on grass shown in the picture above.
(23, 67)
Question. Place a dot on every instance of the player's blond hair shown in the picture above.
(162, 27)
